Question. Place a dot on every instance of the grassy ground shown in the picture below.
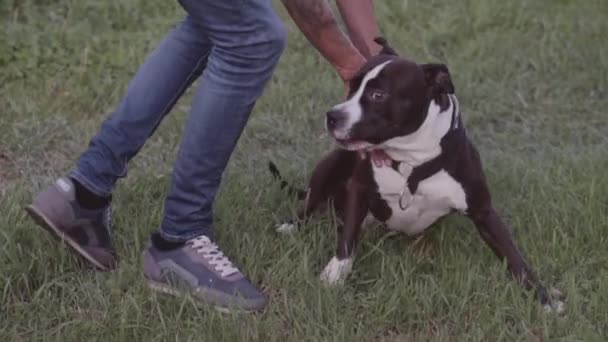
(532, 80)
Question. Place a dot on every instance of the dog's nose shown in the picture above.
(334, 117)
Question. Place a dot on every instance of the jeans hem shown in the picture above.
(82, 179)
(185, 237)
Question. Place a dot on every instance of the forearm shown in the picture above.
(358, 15)
(318, 24)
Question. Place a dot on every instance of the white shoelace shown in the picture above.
(211, 252)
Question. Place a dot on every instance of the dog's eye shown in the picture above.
(377, 95)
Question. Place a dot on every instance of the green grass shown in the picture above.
(532, 80)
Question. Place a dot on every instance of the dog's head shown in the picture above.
(389, 97)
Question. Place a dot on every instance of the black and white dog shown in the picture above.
(410, 112)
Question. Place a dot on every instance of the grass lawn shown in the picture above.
(532, 81)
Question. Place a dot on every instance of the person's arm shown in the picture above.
(358, 15)
(317, 22)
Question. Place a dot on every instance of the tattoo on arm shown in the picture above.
(311, 13)
(317, 22)
(360, 21)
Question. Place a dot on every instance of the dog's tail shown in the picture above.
(301, 194)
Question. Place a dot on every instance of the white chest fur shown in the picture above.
(435, 197)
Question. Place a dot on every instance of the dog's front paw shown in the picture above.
(336, 271)
(286, 228)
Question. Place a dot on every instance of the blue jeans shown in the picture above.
(235, 46)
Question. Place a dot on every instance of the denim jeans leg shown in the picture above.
(167, 72)
(248, 40)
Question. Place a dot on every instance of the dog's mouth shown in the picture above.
(353, 145)
(346, 141)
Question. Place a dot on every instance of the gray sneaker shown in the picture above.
(86, 231)
(199, 268)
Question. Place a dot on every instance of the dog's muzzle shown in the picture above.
(335, 119)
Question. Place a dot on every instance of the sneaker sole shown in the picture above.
(166, 289)
(48, 225)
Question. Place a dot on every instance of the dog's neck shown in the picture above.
(425, 143)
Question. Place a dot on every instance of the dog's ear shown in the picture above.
(386, 49)
(438, 77)
(439, 83)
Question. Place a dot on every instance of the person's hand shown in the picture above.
(348, 71)
(346, 88)
(378, 157)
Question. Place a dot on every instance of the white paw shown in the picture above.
(336, 271)
(557, 307)
(286, 228)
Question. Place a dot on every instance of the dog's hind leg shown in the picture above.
(327, 179)
(499, 238)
